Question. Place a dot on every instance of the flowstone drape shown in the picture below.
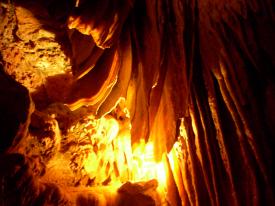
(198, 73)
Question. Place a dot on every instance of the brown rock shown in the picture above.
(15, 109)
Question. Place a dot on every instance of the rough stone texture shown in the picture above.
(34, 51)
(44, 137)
(206, 67)
(139, 194)
(20, 185)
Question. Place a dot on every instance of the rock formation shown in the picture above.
(198, 73)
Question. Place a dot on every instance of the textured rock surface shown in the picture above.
(210, 63)
(206, 67)
(34, 51)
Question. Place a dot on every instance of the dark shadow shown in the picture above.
(55, 89)
(14, 109)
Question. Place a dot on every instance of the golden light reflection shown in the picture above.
(144, 165)
(116, 158)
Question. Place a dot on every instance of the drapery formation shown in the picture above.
(210, 63)
(204, 67)
(148, 63)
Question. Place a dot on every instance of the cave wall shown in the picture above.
(204, 66)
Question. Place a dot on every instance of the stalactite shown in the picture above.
(207, 64)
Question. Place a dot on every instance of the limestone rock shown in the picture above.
(31, 53)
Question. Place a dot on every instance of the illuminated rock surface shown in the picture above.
(197, 124)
